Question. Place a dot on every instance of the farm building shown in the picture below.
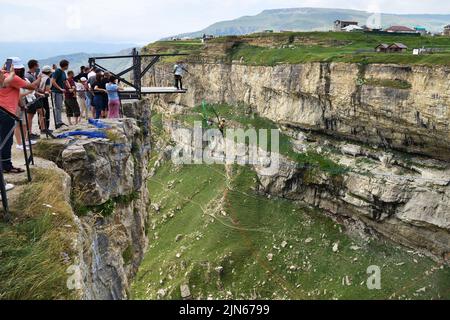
(447, 30)
(382, 47)
(397, 47)
(400, 29)
(393, 48)
(339, 25)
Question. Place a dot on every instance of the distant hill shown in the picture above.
(315, 19)
(42, 50)
(81, 59)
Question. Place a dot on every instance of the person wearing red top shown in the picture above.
(9, 102)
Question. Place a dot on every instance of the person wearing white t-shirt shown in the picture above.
(81, 97)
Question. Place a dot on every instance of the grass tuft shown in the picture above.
(36, 250)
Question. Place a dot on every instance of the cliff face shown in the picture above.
(399, 107)
(410, 207)
(404, 197)
(110, 198)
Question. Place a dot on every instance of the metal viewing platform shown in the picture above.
(135, 90)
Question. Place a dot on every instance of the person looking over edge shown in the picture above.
(83, 74)
(44, 88)
(82, 87)
(26, 99)
(35, 105)
(72, 107)
(113, 98)
(58, 82)
(9, 102)
(92, 73)
(178, 71)
(100, 96)
(91, 78)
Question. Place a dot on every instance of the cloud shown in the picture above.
(143, 21)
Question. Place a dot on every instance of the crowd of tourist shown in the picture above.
(29, 91)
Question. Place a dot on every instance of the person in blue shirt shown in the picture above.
(113, 98)
(59, 78)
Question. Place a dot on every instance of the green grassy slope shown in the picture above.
(342, 47)
(223, 252)
(303, 47)
(215, 233)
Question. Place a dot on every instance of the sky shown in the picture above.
(143, 21)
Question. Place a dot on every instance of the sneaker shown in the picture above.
(20, 147)
(33, 142)
(35, 136)
(9, 187)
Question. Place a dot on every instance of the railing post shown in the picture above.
(25, 153)
(3, 187)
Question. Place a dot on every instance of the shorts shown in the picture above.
(100, 103)
(72, 108)
(34, 107)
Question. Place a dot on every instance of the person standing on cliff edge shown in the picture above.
(59, 78)
(178, 71)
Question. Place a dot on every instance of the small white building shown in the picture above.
(352, 28)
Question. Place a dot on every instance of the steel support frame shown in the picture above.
(136, 68)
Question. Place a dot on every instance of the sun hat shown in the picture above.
(46, 69)
(83, 79)
(17, 62)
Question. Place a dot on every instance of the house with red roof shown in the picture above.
(400, 29)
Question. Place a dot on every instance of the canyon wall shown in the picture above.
(399, 107)
(404, 196)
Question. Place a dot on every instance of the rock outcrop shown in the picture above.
(410, 206)
(110, 197)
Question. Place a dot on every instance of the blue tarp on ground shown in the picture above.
(99, 124)
(89, 134)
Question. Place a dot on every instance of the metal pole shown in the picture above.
(137, 72)
(3, 188)
(27, 161)
(121, 106)
(31, 159)
(53, 108)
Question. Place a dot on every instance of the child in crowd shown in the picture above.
(113, 98)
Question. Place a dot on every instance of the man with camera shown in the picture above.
(36, 104)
